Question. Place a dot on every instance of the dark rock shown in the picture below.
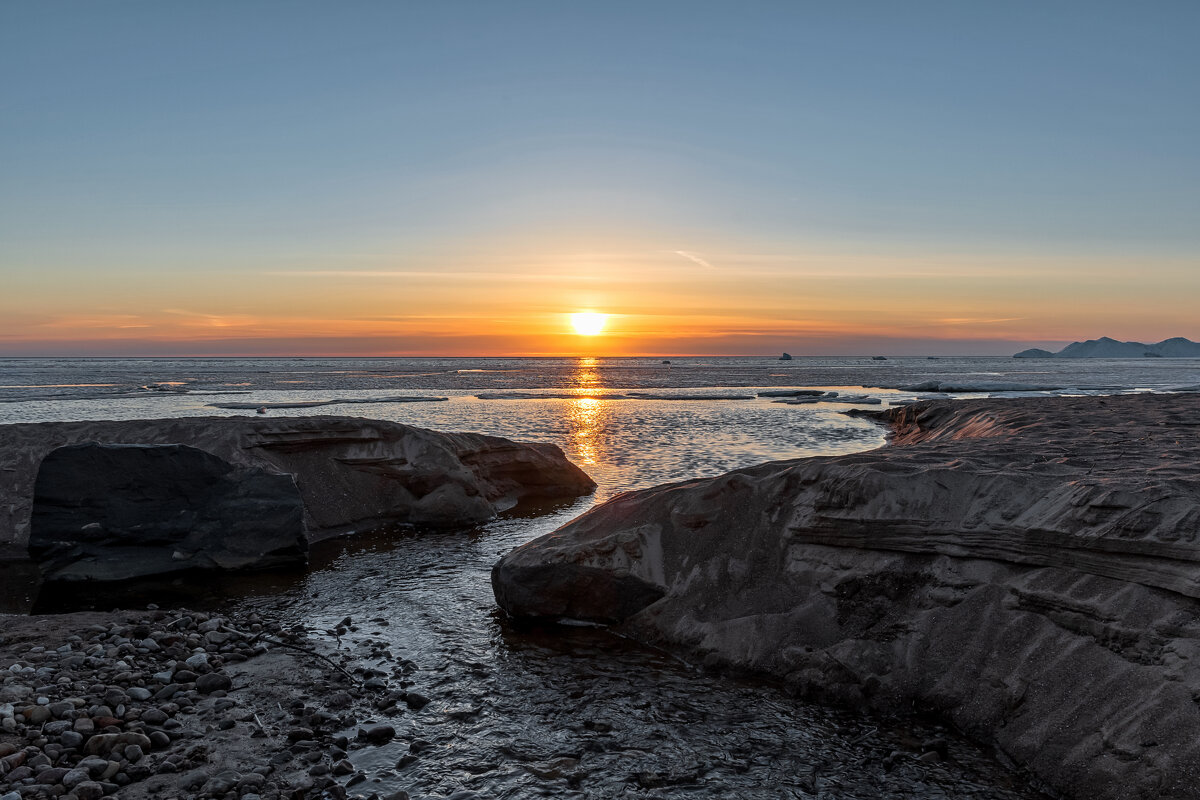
(379, 734)
(154, 716)
(115, 511)
(51, 775)
(221, 783)
(89, 790)
(74, 777)
(220, 491)
(416, 700)
(212, 682)
(299, 734)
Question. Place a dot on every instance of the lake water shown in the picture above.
(640, 723)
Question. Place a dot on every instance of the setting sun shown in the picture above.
(588, 323)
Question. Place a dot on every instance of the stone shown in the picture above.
(154, 716)
(159, 508)
(74, 777)
(416, 700)
(379, 734)
(221, 783)
(1025, 568)
(89, 790)
(37, 714)
(51, 775)
(347, 473)
(212, 682)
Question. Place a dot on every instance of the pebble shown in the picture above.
(115, 706)
(379, 734)
(416, 701)
(154, 716)
(212, 682)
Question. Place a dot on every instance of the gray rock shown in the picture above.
(154, 716)
(221, 783)
(212, 682)
(75, 777)
(51, 775)
(1026, 568)
(352, 474)
(139, 694)
(89, 790)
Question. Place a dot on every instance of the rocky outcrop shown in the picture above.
(1029, 569)
(349, 473)
(114, 511)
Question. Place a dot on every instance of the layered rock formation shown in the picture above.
(1029, 569)
(347, 474)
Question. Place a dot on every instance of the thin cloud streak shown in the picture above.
(496, 276)
(693, 258)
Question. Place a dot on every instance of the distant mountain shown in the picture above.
(1105, 347)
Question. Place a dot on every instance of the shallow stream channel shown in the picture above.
(566, 711)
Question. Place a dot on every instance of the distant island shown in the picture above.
(1105, 347)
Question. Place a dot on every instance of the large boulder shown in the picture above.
(351, 473)
(1029, 569)
(114, 511)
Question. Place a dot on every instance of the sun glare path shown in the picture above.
(588, 323)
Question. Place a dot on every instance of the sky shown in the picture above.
(458, 178)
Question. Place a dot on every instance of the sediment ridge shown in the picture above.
(1029, 569)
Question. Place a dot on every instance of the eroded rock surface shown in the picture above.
(113, 511)
(350, 473)
(1027, 568)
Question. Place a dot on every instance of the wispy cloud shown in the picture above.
(693, 258)
(213, 320)
(448, 275)
(977, 320)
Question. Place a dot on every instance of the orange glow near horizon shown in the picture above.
(655, 301)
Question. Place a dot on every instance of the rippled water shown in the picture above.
(521, 711)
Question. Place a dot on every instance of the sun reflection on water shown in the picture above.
(584, 417)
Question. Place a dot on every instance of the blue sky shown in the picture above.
(155, 153)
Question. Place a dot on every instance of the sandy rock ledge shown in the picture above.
(1028, 569)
